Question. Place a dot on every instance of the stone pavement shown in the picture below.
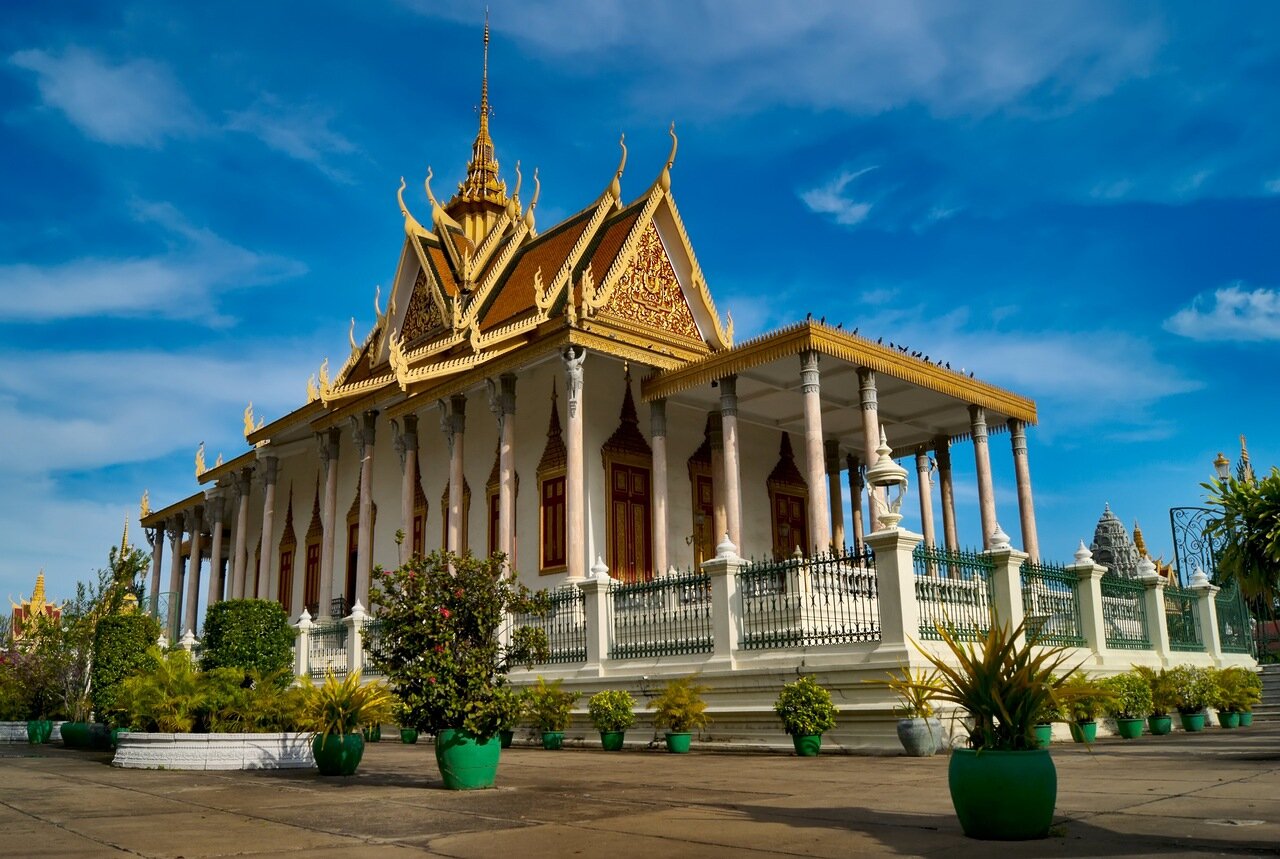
(1217, 792)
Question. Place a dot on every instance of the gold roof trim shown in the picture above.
(301, 415)
(838, 344)
(499, 267)
(220, 471)
(157, 518)
(723, 331)
(599, 296)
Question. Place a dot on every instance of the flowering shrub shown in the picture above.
(1193, 689)
(440, 651)
(1130, 695)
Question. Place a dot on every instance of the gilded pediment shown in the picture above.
(648, 292)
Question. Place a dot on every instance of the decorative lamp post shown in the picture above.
(885, 474)
(1222, 466)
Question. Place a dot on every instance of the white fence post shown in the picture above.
(726, 622)
(302, 645)
(1206, 608)
(1157, 620)
(1089, 594)
(355, 637)
(896, 587)
(596, 610)
(1006, 579)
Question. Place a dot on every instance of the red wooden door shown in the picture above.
(631, 541)
(791, 525)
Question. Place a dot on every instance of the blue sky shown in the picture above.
(1079, 201)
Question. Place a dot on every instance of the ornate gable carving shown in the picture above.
(648, 292)
(423, 316)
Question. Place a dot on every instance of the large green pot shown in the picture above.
(467, 762)
(1226, 718)
(1044, 735)
(408, 736)
(807, 745)
(552, 740)
(678, 742)
(338, 754)
(505, 737)
(38, 731)
(1246, 719)
(1130, 729)
(1192, 722)
(1084, 732)
(1003, 796)
(612, 740)
(101, 737)
(372, 733)
(75, 735)
(1159, 725)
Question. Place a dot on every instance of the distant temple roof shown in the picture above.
(1112, 547)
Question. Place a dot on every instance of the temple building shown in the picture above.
(24, 611)
(1112, 546)
(568, 396)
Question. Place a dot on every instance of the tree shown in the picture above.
(1249, 528)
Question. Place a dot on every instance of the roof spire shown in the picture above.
(482, 195)
(484, 80)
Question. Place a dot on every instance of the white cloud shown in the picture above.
(134, 103)
(833, 199)
(181, 283)
(302, 133)
(1273, 186)
(1231, 313)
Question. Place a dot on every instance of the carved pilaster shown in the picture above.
(809, 377)
(363, 429)
(978, 424)
(729, 396)
(268, 467)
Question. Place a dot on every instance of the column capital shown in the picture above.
(978, 424)
(363, 429)
(658, 417)
(729, 396)
(173, 527)
(268, 467)
(193, 518)
(573, 377)
(922, 460)
(328, 442)
(809, 375)
(1018, 436)
(867, 389)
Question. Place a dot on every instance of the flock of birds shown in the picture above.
(903, 349)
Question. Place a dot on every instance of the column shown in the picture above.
(217, 511)
(658, 441)
(506, 412)
(269, 466)
(855, 497)
(819, 526)
(157, 558)
(364, 437)
(836, 494)
(406, 445)
(982, 464)
(453, 420)
(732, 466)
(242, 483)
(191, 605)
(175, 579)
(1022, 473)
(329, 445)
(719, 516)
(870, 430)
(575, 488)
(946, 488)
(926, 495)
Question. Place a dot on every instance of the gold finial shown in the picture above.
(37, 595)
(484, 78)
(324, 377)
(426, 183)
(519, 183)
(351, 335)
(313, 392)
(615, 187)
(217, 462)
(1246, 467)
(144, 506)
(124, 537)
(248, 419)
(665, 178)
(200, 466)
(1138, 542)
(377, 301)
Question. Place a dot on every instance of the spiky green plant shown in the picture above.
(915, 689)
(680, 706)
(340, 707)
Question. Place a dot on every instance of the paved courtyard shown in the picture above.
(1218, 792)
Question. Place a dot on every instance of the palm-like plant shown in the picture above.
(340, 707)
(168, 698)
(1249, 528)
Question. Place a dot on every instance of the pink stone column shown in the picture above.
(1022, 473)
(870, 431)
(926, 495)
(157, 558)
(215, 504)
(269, 469)
(719, 515)
(835, 493)
(819, 509)
(191, 604)
(406, 444)
(946, 489)
(454, 423)
(243, 485)
(658, 441)
(175, 579)
(732, 460)
(364, 438)
(982, 464)
(575, 490)
(855, 497)
(329, 442)
(506, 410)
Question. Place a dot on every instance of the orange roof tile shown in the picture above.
(514, 295)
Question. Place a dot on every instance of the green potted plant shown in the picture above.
(806, 712)
(550, 709)
(1049, 713)
(39, 669)
(1232, 694)
(1085, 700)
(1252, 696)
(442, 655)
(509, 705)
(918, 730)
(680, 709)
(408, 733)
(1164, 699)
(1193, 690)
(336, 711)
(1003, 787)
(612, 712)
(1130, 702)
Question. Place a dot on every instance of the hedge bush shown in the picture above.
(253, 635)
(120, 645)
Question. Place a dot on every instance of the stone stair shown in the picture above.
(1269, 709)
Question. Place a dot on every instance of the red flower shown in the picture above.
(431, 680)
(439, 648)
(444, 612)
(458, 592)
